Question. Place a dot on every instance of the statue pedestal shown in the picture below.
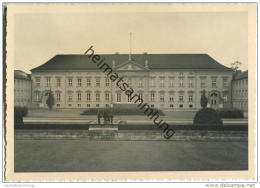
(103, 128)
(103, 132)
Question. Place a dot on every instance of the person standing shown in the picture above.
(99, 116)
(111, 117)
(106, 118)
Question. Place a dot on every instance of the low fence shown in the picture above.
(136, 135)
(230, 127)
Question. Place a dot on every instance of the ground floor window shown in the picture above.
(161, 98)
(57, 105)
(97, 105)
(107, 105)
(79, 105)
(118, 97)
(225, 98)
(107, 96)
(181, 105)
(152, 105)
(190, 106)
(88, 105)
(171, 105)
(70, 105)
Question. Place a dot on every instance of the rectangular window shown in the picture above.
(57, 105)
(171, 105)
(140, 83)
(190, 98)
(107, 96)
(97, 105)
(152, 82)
(58, 82)
(79, 96)
(129, 82)
(202, 83)
(70, 82)
(140, 96)
(79, 82)
(181, 98)
(37, 96)
(171, 99)
(225, 82)
(190, 83)
(161, 98)
(171, 82)
(118, 97)
(181, 82)
(88, 82)
(88, 97)
(97, 82)
(88, 105)
(97, 96)
(70, 98)
(107, 105)
(38, 81)
(214, 82)
(152, 97)
(48, 81)
(162, 82)
(107, 82)
(225, 98)
(58, 97)
(79, 105)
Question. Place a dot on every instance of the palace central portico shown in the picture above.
(165, 81)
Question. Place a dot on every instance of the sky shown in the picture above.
(39, 37)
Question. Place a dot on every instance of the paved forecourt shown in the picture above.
(84, 155)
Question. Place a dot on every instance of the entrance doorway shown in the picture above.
(214, 100)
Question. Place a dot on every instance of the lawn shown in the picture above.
(83, 156)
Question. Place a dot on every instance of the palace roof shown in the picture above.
(18, 74)
(241, 75)
(155, 62)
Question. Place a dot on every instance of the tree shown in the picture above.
(50, 100)
(235, 66)
(203, 100)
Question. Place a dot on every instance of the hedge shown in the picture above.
(207, 116)
(230, 113)
(19, 113)
(119, 111)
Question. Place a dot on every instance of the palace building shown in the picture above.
(165, 81)
(240, 91)
(22, 88)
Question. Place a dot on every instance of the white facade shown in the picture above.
(173, 90)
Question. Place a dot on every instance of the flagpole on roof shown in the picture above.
(130, 46)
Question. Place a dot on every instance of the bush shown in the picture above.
(230, 113)
(19, 113)
(207, 116)
(118, 111)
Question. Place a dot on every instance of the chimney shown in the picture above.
(113, 64)
(146, 60)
